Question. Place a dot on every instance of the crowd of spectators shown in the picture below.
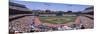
(27, 24)
(44, 28)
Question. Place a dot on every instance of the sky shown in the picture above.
(84, 2)
(52, 6)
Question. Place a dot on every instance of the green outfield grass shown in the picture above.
(57, 19)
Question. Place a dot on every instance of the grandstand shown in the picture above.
(15, 8)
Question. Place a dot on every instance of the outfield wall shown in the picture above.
(56, 15)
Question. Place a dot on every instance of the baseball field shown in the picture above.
(57, 19)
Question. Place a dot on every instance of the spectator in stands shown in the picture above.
(16, 32)
(66, 28)
(11, 31)
(42, 27)
(62, 27)
(59, 28)
(73, 25)
(32, 27)
(82, 27)
(55, 28)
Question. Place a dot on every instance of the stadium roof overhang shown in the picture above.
(19, 8)
(87, 11)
